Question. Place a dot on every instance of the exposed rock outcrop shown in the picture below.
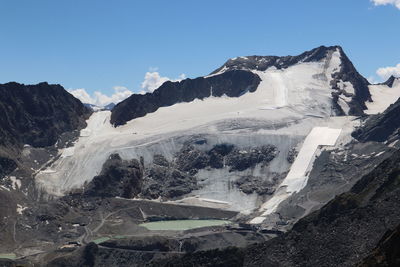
(251, 184)
(122, 178)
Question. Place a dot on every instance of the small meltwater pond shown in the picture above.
(10, 256)
(182, 225)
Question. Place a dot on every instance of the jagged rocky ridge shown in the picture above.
(391, 81)
(232, 84)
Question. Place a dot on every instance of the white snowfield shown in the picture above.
(297, 177)
(383, 96)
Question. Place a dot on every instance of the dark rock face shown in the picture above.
(381, 126)
(232, 84)
(348, 73)
(118, 178)
(38, 114)
(390, 81)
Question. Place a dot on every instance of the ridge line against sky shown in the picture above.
(102, 50)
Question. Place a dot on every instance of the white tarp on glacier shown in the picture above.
(297, 177)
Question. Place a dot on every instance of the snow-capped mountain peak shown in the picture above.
(262, 63)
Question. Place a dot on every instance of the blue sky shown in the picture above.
(100, 44)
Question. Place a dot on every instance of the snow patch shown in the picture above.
(16, 183)
(68, 152)
(20, 209)
(383, 96)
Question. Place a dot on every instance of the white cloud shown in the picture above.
(387, 2)
(153, 80)
(385, 73)
(100, 99)
(372, 80)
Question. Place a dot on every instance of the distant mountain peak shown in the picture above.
(392, 79)
(98, 108)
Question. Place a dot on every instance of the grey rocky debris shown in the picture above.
(242, 159)
(167, 182)
(252, 184)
